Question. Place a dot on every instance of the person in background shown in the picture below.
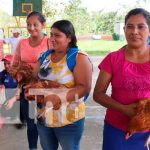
(76, 80)
(128, 71)
(9, 86)
(28, 50)
(14, 40)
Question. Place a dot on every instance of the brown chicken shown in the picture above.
(141, 120)
(23, 73)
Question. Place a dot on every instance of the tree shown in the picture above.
(103, 23)
(6, 21)
(78, 15)
(52, 10)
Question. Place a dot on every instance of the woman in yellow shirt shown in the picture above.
(64, 123)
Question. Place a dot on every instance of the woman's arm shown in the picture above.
(83, 78)
(102, 98)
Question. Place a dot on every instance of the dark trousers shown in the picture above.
(32, 133)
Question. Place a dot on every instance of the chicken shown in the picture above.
(23, 73)
(141, 120)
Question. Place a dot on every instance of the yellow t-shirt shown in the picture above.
(68, 112)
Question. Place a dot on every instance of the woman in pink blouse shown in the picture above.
(128, 71)
(29, 50)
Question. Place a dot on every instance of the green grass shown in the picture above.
(92, 47)
(100, 47)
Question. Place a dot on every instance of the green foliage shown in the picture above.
(53, 11)
(115, 36)
(47, 9)
(78, 16)
(98, 22)
(6, 21)
(104, 22)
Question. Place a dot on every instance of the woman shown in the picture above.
(29, 50)
(128, 71)
(63, 126)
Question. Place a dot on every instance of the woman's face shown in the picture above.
(34, 26)
(136, 31)
(59, 40)
(7, 65)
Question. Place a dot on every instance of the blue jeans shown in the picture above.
(68, 136)
(32, 133)
(114, 139)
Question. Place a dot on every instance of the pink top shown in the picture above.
(130, 83)
(29, 54)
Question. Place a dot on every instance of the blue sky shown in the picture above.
(107, 5)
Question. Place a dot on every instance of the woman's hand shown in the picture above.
(54, 99)
(10, 103)
(31, 95)
(129, 110)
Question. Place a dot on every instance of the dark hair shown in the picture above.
(67, 28)
(138, 11)
(41, 17)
